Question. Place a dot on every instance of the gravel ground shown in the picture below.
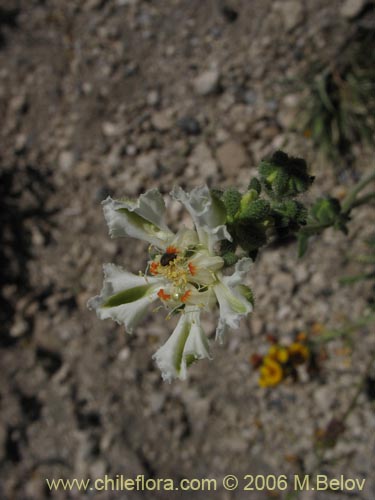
(113, 97)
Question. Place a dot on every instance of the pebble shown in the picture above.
(110, 129)
(162, 121)
(231, 156)
(66, 160)
(352, 8)
(153, 98)
(291, 13)
(146, 164)
(20, 143)
(189, 125)
(131, 150)
(207, 82)
(19, 328)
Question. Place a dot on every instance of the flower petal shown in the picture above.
(233, 302)
(207, 212)
(124, 296)
(141, 219)
(187, 343)
(203, 267)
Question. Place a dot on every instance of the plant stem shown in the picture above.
(363, 200)
(350, 199)
(343, 332)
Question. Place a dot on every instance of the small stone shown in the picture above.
(18, 104)
(352, 8)
(124, 354)
(231, 156)
(19, 328)
(288, 113)
(98, 469)
(189, 125)
(250, 97)
(110, 129)
(207, 82)
(146, 164)
(291, 12)
(87, 87)
(83, 169)
(131, 150)
(20, 143)
(66, 160)
(161, 120)
(323, 397)
(282, 282)
(153, 98)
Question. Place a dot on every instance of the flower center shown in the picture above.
(177, 271)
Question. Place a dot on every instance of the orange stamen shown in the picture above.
(171, 249)
(185, 296)
(192, 268)
(162, 295)
(154, 267)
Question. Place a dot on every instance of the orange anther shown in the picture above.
(154, 267)
(192, 268)
(185, 296)
(162, 295)
(171, 249)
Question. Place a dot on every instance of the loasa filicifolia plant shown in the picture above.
(205, 267)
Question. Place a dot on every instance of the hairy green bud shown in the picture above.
(230, 258)
(284, 176)
(257, 210)
(289, 213)
(326, 211)
(251, 236)
(232, 200)
(255, 185)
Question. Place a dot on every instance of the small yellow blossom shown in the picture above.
(271, 372)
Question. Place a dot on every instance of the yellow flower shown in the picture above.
(278, 353)
(271, 372)
(298, 352)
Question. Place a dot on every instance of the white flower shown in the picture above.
(183, 273)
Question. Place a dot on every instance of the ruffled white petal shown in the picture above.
(205, 267)
(142, 219)
(233, 303)
(125, 297)
(208, 214)
(187, 343)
